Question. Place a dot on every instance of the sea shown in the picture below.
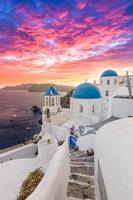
(17, 121)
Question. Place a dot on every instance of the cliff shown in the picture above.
(33, 87)
(65, 100)
(42, 87)
(18, 87)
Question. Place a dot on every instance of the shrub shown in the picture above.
(30, 184)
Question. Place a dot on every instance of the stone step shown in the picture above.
(82, 178)
(80, 155)
(86, 170)
(75, 153)
(81, 163)
(80, 190)
(87, 159)
(71, 151)
(72, 198)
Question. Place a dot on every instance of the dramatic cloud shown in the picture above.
(64, 41)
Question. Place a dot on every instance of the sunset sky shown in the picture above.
(64, 41)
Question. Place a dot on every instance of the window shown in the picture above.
(107, 93)
(46, 101)
(81, 109)
(101, 82)
(52, 101)
(115, 81)
(58, 102)
(93, 109)
(108, 82)
(47, 111)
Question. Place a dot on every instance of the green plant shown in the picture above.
(30, 184)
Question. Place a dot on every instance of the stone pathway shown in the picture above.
(81, 182)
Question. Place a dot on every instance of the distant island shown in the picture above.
(34, 87)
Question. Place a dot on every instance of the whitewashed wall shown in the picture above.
(86, 142)
(122, 108)
(106, 108)
(114, 152)
(112, 87)
(46, 151)
(26, 151)
(87, 106)
(54, 184)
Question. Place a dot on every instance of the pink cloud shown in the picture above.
(81, 4)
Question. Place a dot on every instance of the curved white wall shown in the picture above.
(14, 172)
(47, 151)
(54, 184)
(114, 152)
(26, 151)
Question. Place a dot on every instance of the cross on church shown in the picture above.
(86, 80)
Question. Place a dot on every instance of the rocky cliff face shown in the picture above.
(42, 87)
(33, 87)
(19, 87)
(65, 100)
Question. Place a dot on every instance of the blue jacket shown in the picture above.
(72, 141)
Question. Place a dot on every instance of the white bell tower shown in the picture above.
(108, 84)
(51, 107)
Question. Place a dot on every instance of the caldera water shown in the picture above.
(17, 121)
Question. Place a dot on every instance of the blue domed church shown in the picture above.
(86, 101)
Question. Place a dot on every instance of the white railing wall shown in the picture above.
(26, 151)
(54, 184)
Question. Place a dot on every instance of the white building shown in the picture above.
(122, 104)
(86, 101)
(108, 83)
(111, 99)
(114, 161)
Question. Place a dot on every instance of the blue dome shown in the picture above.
(109, 73)
(86, 91)
(51, 91)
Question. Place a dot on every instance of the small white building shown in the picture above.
(114, 161)
(108, 83)
(122, 104)
(86, 101)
